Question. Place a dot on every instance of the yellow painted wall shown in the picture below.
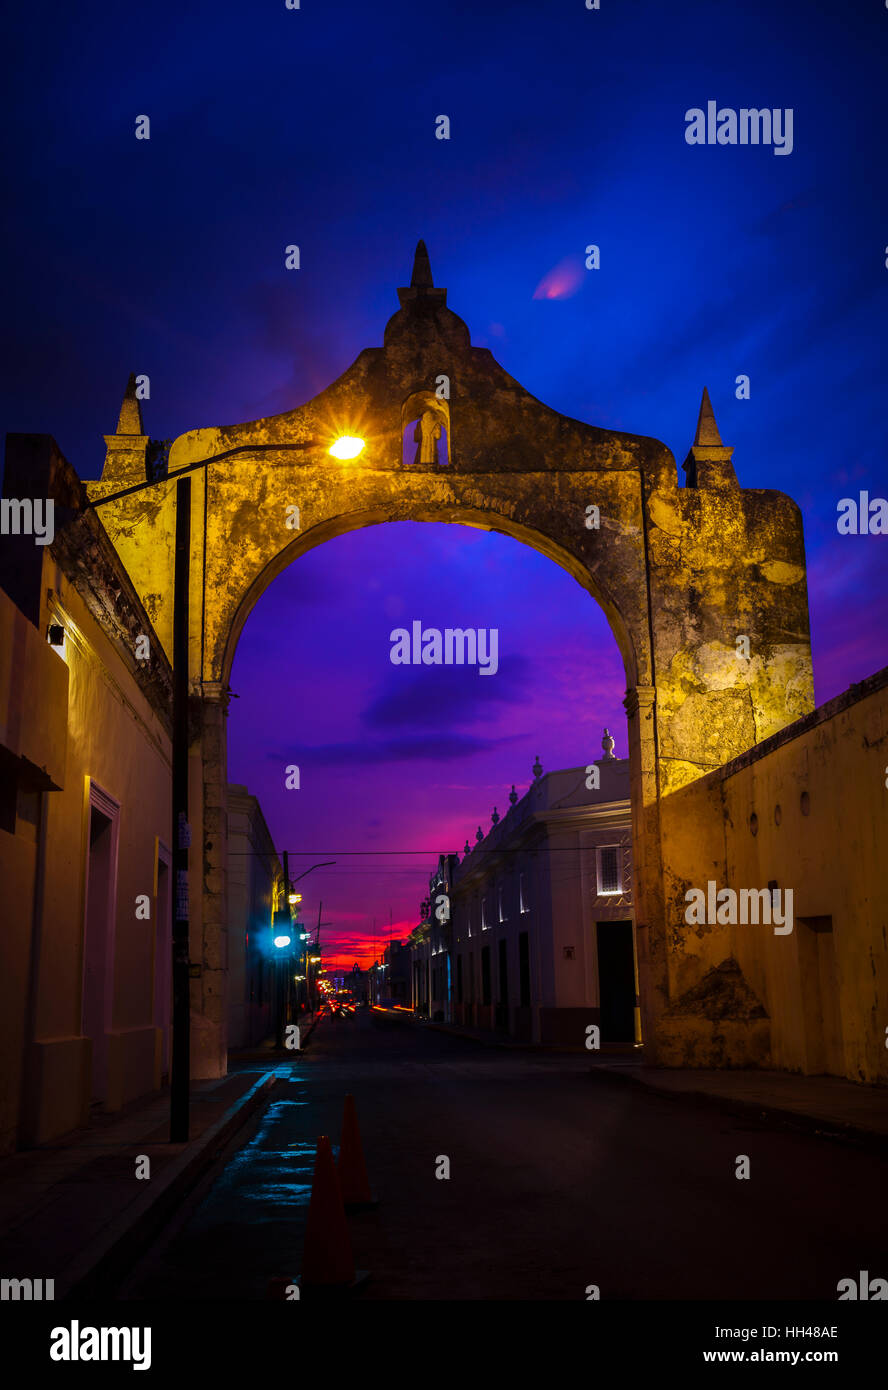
(835, 859)
(107, 731)
(34, 731)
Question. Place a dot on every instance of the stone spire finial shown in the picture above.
(466, 848)
(513, 795)
(537, 768)
(421, 278)
(708, 463)
(126, 451)
(707, 429)
(607, 744)
(479, 834)
(495, 816)
(129, 421)
(423, 316)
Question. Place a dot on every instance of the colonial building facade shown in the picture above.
(532, 933)
(255, 893)
(85, 843)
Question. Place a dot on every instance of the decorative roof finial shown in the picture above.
(607, 744)
(495, 816)
(707, 429)
(129, 420)
(479, 834)
(537, 768)
(708, 463)
(466, 849)
(513, 795)
(421, 278)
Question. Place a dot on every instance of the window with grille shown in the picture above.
(609, 875)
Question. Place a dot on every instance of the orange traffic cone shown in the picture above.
(353, 1180)
(328, 1265)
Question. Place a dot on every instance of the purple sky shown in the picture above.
(410, 757)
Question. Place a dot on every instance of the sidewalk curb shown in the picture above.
(126, 1236)
(845, 1131)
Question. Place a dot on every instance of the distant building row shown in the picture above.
(533, 932)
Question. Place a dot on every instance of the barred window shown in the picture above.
(609, 876)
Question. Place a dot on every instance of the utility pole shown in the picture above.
(180, 1069)
(281, 971)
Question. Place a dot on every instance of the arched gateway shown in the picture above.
(681, 573)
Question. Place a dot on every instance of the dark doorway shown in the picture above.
(163, 960)
(818, 989)
(524, 969)
(502, 1009)
(98, 951)
(616, 982)
(485, 975)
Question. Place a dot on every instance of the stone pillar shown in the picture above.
(650, 918)
(209, 874)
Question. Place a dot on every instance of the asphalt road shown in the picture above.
(559, 1179)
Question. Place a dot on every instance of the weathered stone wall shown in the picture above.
(816, 999)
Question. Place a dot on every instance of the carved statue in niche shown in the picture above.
(426, 435)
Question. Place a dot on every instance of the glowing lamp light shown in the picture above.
(347, 447)
(281, 942)
(294, 897)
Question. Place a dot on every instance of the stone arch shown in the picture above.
(474, 516)
(676, 570)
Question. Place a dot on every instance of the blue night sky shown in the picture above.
(317, 127)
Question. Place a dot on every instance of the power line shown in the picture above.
(430, 853)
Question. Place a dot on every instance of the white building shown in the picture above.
(255, 888)
(542, 923)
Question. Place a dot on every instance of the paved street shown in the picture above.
(559, 1179)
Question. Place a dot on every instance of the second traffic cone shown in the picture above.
(352, 1169)
(328, 1265)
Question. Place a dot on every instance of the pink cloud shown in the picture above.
(562, 281)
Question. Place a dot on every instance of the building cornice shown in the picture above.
(87, 558)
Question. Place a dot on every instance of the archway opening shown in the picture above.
(410, 744)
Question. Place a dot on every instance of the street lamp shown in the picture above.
(347, 446)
